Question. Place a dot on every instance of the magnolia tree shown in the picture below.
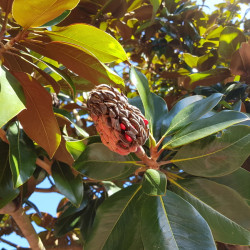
(136, 111)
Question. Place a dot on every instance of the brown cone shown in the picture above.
(122, 127)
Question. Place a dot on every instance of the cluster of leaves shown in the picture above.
(176, 43)
(199, 194)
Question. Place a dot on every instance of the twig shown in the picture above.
(44, 165)
(9, 45)
(78, 118)
(46, 190)
(100, 11)
(23, 222)
(8, 242)
(4, 25)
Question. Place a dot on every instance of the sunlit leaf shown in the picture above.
(75, 147)
(58, 19)
(98, 42)
(67, 117)
(230, 40)
(12, 99)
(36, 13)
(62, 154)
(190, 60)
(78, 60)
(207, 78)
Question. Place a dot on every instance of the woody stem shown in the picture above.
(150, 162)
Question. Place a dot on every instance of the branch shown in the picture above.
(23, 222)
(4, 25)
(151, 163)
(46, 190)
(44, 165)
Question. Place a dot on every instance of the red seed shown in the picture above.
(128, 138)
(146, 122)
(122, 126)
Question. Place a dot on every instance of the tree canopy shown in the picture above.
(171, 73)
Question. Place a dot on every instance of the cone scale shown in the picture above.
(122, 127)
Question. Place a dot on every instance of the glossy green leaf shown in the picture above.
(99, 163)
(223, 229)
(190, 60)
(77, 59)
(161, 111)
(36, 13)
(215, 156)
(204, 127)
(110, 187)
(173, 223)
(222, 207)
(112, 226)
(156, 4)
(56, 73)
(22, 155)
(239, 181)
(141, 83)
(7, 190)
(58, 19)
(67, 116)
(176, 109)
(154, 183)
(75, 148)
(69, 218)
(215, 33)
(127, 218)
(193, 112)
(230, 40)
(11, 96)
(69, 185)
(101, 44)
(208, 77)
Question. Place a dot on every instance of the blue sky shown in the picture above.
(47, 202)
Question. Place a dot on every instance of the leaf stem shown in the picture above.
(164, 163)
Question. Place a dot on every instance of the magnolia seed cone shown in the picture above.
(122, 127)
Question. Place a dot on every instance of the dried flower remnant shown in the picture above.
(122, 126)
